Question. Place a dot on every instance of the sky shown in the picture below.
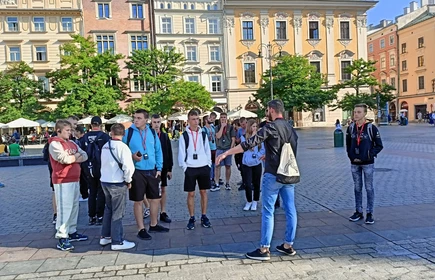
(387, 9)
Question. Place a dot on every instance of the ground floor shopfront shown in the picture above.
(411, 105)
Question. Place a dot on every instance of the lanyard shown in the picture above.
(144, 138)
(194, 140)
(225, 131)
(159, 134)
(211, 132)
(359, 134)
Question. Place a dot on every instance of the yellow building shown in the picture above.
(329, 33)
(33, 30)
(417, 64)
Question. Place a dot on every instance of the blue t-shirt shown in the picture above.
(240, 133)
(211, 134)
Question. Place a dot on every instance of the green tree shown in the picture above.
(159, 68)
(361, 77)
(19, 93)
(87, 81)
(297, 84)
(180, 94)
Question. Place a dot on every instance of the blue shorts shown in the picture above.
(227, 161)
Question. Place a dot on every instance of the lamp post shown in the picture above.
(270, 52)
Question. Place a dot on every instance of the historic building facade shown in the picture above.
(330, 34)
(382, 48)
(194, 28)
(121, 27)
(33, 31)
(416, 59)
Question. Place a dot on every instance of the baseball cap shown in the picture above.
(96, 120)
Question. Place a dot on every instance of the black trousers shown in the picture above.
(252, 181)
(238, 159)
(97, 200)
(83, 186)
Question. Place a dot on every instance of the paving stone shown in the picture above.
(137, 258)
(60, 264)
(21, 267)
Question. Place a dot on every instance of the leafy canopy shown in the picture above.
(19, 93)
(297, 84)
(89, 79)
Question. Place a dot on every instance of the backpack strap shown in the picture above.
(186, 143)
(129, 135)
(111, 152)
(204, 136)
(370, 131)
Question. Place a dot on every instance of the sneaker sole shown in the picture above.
(78, 239)
(190, 228)
(215, 190)
(285, 252)
(204, 226)
(258, 258)
(142, 238)
(355, 220)
(158, 231)
(64, 249)
(120, 249)
(370, 223)
(105, 244)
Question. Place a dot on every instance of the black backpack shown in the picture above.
(46, 153)
(93, 164)
(186, 140)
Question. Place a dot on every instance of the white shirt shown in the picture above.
(110, 171)
(202, 151)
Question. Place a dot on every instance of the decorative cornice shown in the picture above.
(247, 43)
(313, 42)
(361, 23)
(247, 15)
(346, 54)
(329, 23)
(313, 16)
(229, 23)
(264, 22)
(297, 23)
(281, 16)
(314, 55)
(345, 42)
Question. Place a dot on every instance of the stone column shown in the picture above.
(361, 21)
(330, 43)
(297, 25)
(229, 46)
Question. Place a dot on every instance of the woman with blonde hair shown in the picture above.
(252, 168)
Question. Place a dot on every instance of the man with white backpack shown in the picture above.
(278, 137)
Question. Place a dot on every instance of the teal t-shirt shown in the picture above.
(211, 134)
(14, 150)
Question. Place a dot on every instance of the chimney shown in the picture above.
(384, 22)
(406, 10)
(413, 6)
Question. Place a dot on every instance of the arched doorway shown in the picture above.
(403, 107)
(393, 111)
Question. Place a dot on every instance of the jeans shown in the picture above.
(252, 181)
(270, 191)
(96, 198)
(116, 200)
(357, 171)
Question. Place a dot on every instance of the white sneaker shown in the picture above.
(105, 241)
(247, 206)
(81, 199)
(125, 245)
(254, 206)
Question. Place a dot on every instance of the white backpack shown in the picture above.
(288, 170)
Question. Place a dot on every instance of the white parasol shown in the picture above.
(120, 119)
(178, 117)
(22, 122)
(48, 124)
(87, 120)
(242, 113)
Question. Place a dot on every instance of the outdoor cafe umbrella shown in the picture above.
(41, 121)
(48, 124)
(178, 117)
(22, 122)
(242, 113)
(120, 119)
(87, 120)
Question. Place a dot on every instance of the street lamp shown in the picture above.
(270, 52)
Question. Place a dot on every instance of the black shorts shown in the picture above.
(200, 175)
(144, 182)
(164, 182)
(213, 156)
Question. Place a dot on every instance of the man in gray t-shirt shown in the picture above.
(225, 140)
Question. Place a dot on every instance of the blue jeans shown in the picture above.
(116, 199)
(270, 190)
(357, 171)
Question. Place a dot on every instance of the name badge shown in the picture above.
(195, 156)
(145, 156)
(254, 155)
(223, 140)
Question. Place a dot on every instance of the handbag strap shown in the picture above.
(111, 152)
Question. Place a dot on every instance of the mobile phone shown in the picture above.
(139, 154)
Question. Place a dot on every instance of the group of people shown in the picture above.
(139, 160)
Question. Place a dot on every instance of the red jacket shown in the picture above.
(63, 161)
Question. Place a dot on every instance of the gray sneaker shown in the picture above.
(215, 188)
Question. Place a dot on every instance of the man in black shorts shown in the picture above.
(148, 161)
(194, 157)
(168, 162)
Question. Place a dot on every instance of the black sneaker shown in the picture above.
(227, 187)
(221, 182)
(369, 219)
(64, 245)
(356, 216)
(205, 222)
(215, 188)
(92, 220)
(158, 228)
(165, 218)
(242, 187)
(191, 224)
(54, 219)
(290, 251)
(99, 221)
(77, 237)
(144, 235)
(212, 182)
(146, 213)
(258, 255)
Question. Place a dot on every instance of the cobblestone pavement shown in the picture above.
(400, 245)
